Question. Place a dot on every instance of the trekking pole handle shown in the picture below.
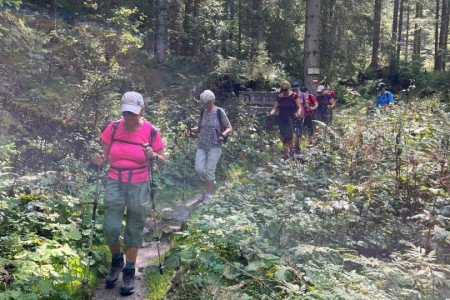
(152, 158)
(99, 158)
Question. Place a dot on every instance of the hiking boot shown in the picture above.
(113, 275)
(127, 287)
(297, 154)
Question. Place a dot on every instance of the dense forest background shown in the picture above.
(365, 216)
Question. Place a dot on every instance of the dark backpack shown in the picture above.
(219, 116)
(153, 133)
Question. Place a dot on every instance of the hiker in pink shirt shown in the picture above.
(127, 145)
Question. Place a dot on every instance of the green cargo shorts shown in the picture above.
(135, 197)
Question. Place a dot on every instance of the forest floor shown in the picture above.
(169, 222)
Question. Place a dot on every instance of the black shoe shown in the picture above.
(113, 275)
(297, 154)
(127, 287)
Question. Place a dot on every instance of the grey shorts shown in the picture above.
(135, 197)
(206, 163)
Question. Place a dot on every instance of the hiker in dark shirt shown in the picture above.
(326, 105)
(289, 106)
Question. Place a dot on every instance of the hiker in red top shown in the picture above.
(310, 108)
(289, 107)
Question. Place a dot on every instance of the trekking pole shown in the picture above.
(185, 159)
(151, 186)
(93, 220)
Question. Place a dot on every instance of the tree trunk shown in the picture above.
(231, 34)
(395, 22)
(161, 33)
(400, 28)
(407, 32)
(196, 40)
(175, 25)
(437, 57)
(443, 35)
(394, 57)
(254, 28)
(447, 20)
(239, 28)
(417, 32)
(376, 34)
(150, 27)
(187, 28)
(53, 13)
(312, 45)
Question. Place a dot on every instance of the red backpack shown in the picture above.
(332, 93)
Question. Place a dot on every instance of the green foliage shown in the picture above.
(366, 217)
(44, 245)
(14, 3)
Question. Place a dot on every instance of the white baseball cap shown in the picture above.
(132, 101)
(320, 88)
(207, 96)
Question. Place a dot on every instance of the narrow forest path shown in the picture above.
(170, 221)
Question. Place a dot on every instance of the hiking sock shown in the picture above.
(207, 198)
(130, 265)
(118, 255)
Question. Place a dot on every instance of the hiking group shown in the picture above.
(298, 109)
(132, 146)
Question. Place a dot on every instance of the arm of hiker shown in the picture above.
(193, 130)
(225, 133)
(314, 102)
(102, 156)
(299, 112)
(274, 109)
(391, 99)
(332, 103)
(228, 130)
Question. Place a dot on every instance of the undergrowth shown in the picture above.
(365, 217)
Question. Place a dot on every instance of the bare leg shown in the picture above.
(115, 248)
(209, 186)
(131, 254)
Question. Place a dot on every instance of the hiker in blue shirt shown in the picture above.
(384, 98)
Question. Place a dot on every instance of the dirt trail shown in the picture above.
(170, 222)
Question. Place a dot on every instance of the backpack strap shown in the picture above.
(113, 130)
(219, 116)
(302, 96)
(153, 132)
(222, 126)
(201, 117)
